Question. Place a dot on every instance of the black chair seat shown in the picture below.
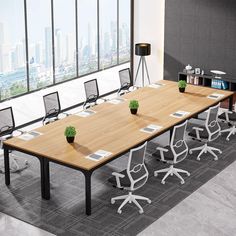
(169, 156)
(203, 134)
(124, 182)
(232, 117)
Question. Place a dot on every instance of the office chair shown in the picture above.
(134, 177)
(208, 133)
(174, 153)
(92, 93)
(230, 118)
(7, 127)
(52, 107)
(125, 81)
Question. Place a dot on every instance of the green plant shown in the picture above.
(133, 104)
(182, 84)
(70, 131)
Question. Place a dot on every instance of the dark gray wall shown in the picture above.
(201, 33)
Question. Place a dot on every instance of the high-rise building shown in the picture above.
(58, 47)
(2, 39)
(38, 52)
(48, 47)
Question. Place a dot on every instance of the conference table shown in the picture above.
(113, 129)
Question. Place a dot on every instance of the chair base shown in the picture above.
(14, 166)
(231, 130)
(129, 199)
(204, 149)
(171, 171)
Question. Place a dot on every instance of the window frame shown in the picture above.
(77, 54)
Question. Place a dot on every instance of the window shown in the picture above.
(39, 43)
(12, 49)
(46, 42)
(108, 33)
(124, 30)
(64, 39)
(88, 36)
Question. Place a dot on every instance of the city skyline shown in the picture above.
(13, 71)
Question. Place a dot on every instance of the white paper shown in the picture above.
(179, 114)
(116, 101)
(156, 85)
(98, 155)
(85, 113)
(215, 96)
(30, 135)
(151, 128)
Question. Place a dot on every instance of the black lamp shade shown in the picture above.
(142, 49)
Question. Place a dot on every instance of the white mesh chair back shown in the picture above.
(7, 123)
(125, 79)
(52, 105)
(91, 90)
(178, 144)
(212, 125)
(136, 170)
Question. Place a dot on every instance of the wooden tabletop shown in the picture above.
(113, 128)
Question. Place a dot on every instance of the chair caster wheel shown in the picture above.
(182, 182)
(190, 152)
(140, 211)
(112, 201)
(188, 174)
(155, 174)
(220, 152)
(149, 201)
(119, 211)
(215, 159)
(227, 139)
(198, 159)
(163, 182)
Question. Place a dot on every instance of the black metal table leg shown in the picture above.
(45, 178)
(87, 176)
(231, 103)
(6, 165)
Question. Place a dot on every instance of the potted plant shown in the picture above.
(133, 105)
(70, 133)
(182, 85)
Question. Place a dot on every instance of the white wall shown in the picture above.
(149, 28)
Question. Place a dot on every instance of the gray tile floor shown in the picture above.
(10, 226)
(211, 210)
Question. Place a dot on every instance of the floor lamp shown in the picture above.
(142, 50)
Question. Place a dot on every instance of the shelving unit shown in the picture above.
(206, 80)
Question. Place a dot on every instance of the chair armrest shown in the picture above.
(227, 112)
(197, 129)
(162, 150)
(118, 176)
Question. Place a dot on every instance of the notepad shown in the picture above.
(29, 135)
(98, 155)
(179, 114)
(215, 96)
(156, 85)
(151, 128)
(85, 113)
(116, 100)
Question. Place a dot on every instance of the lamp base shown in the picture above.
(142, 61)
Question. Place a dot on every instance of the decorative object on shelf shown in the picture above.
(217, 82)
(197, 71)
(70, 133)
(188, 70)
(142, 50)
(133, 105)
(182, 85)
